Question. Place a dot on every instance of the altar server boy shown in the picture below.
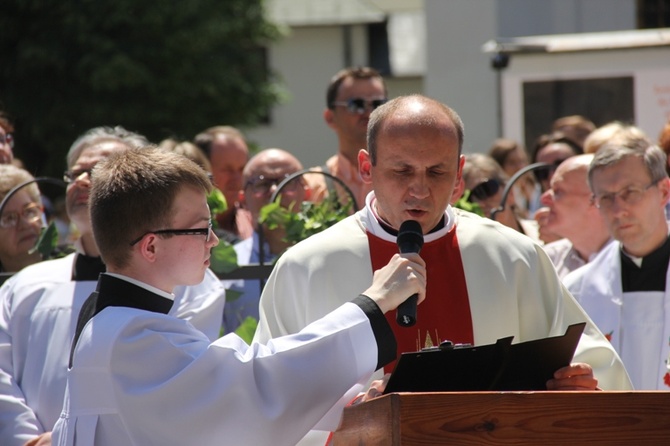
(138, 376)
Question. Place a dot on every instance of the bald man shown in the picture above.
(261, 177)
(572, 215)
(485, 280)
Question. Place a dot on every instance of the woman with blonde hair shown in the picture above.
(21, 220)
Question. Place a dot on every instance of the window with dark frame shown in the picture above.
(653, 14)
(601, 100)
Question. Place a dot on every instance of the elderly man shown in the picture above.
(262, 174)
(573, 215)
(624, 289)
(485, 280)
(41, 303)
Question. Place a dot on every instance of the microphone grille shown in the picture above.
(410, 236)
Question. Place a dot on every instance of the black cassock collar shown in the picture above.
(87, 268)
(115, 292)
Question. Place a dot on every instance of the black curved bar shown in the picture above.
(510, 184)
(18, 187)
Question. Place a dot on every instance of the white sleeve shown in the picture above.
(201, 391)
(202, 305)
(18, 422)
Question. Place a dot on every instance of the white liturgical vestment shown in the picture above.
(39, 308)
(140, 377)
(637, 323)
(512, 286)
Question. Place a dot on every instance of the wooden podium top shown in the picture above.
(508, 418)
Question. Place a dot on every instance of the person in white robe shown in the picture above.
(485, 280)
(40, 304)
(39, 308)
(140, 376)
(625, 288)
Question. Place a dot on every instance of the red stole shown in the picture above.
(445, 314)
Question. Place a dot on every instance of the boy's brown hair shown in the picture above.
(133, 192)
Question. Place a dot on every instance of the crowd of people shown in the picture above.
(582, 237)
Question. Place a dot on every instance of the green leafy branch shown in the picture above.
(311, 219)
(466, 205)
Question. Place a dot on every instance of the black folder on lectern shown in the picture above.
(495, 367)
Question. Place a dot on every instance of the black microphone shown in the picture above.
(410, 239)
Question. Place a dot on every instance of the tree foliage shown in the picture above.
(162, 68)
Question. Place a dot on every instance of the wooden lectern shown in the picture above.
(508, 418)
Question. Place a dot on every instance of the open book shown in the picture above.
(500, 366)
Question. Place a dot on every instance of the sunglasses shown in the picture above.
(262, 185)
(543, 173)
(359, 105)
(485, 189)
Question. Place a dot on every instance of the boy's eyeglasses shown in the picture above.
(30, 213)
(207, 232)
(359, 105)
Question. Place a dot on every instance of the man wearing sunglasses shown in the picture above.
(483, 177)
(40, 304)
(351, 96)
(264, 172)
(625, 288)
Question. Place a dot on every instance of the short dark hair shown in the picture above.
(555, 138)
(205, 138)
(382, 113)
(630, 145)
(352, 72)
(133, 192)
(502, 148)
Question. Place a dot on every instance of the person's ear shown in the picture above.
(308, 192)
(148, 248)
(329, 118)
(365, 166)
(241, 197)
(457, 193)
(459, 184)
(664, 187)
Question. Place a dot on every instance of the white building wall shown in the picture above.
(306, 60)
(457, 72)
(535, 17)
(460, 75)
